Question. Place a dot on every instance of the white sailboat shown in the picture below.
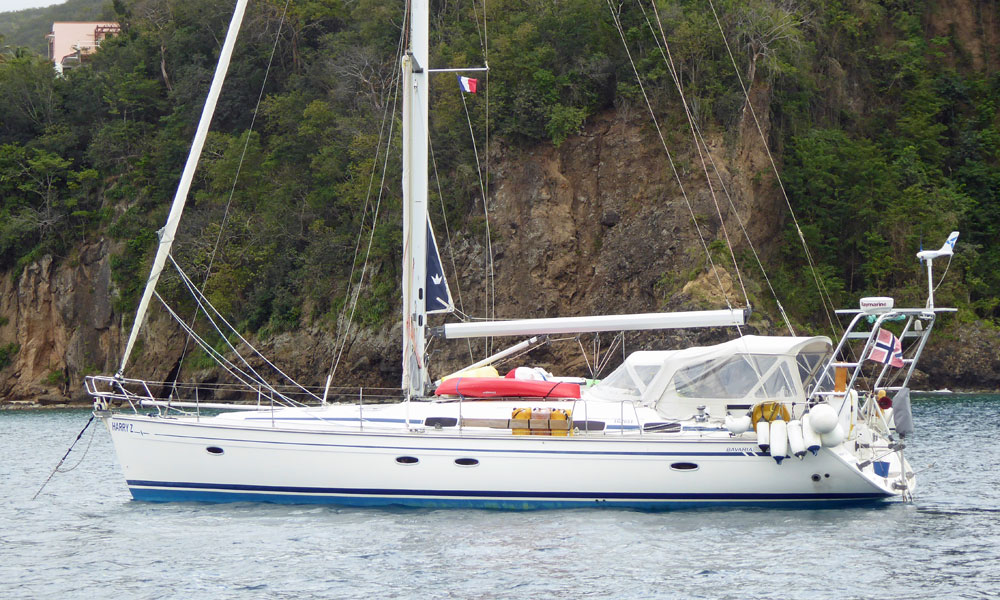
(756, 420)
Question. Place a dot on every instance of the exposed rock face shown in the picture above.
(596, 226)
(61, 317)
(601, 226)
(964, 358)
(974, 24)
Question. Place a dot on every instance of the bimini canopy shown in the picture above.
(743, 371)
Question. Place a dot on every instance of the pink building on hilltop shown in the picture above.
(69, 42)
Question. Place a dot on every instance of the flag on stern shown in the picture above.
(887, 350)
(467, 84)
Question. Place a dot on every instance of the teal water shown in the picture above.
(84, 537)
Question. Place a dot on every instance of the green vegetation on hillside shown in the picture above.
(888, 139)
(911, 159)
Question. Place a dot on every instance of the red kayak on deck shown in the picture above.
(502, 387)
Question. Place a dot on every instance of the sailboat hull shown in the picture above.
(192, 460)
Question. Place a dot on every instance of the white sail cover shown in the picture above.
(591, 324)
(436, 287)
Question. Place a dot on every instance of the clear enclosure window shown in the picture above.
(778, 385)
(729, 377)
(622, 382)
(809, 364)
(646, 373)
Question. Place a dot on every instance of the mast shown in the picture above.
(415, 100)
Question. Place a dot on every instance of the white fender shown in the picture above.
(809, 436)
(823, 418)
(764, 435)
(796, 443)
(779, 440)
(738, 425)
(834, 438)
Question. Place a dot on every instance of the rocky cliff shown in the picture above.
(598, 225)
(59, 316)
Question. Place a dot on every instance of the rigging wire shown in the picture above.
(341, 343)
(232, 190)
(619, 339)
(486, 159)
(483, 170)
(583, 351)
(642, 88)
(451, 248)
(672, 69)
(824, 294)
(746, 235)
(490, 279)
(246, 379)
(203, 303)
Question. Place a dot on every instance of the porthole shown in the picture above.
(466, 462)
(215, 450)
(684, 466)
(407, 460)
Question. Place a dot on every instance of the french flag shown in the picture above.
(887, 350)
(467, 84)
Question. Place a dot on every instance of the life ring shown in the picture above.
(769, 411)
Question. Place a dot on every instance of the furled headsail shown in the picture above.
(436, 287)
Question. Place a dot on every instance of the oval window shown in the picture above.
(215, 450)
(407, 460)
(684, 466)
(466, 462)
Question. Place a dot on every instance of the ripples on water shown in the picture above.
(84, 537)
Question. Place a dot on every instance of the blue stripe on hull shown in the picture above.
(200, 492)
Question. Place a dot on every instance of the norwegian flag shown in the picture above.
(467, 84)
(887, 350)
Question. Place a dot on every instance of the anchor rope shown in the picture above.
(63, 459)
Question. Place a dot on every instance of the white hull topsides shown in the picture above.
(321, 455)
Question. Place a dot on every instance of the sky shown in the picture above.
(12, 5)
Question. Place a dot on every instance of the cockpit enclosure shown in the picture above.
(738, 373)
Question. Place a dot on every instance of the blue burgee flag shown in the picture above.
(436, 286)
